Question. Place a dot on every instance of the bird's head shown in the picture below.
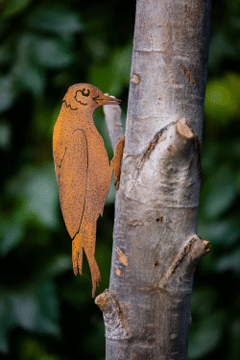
(86, 96)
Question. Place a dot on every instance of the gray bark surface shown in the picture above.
(112, 115)
(155, 244)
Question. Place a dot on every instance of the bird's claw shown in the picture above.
(117, 160)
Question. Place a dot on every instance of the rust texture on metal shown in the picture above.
(83, 171)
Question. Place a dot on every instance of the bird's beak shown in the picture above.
(105, 99)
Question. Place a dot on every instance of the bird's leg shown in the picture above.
(116, 161)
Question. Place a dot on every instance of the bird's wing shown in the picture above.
(73, 180)
(99, 177)
(59, 145)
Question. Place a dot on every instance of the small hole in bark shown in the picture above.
(160, 219)
(156, 263)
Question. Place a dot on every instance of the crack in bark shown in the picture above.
(151, 146)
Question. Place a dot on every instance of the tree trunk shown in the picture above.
(155, 247)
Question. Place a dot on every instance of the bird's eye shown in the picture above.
(85, 93)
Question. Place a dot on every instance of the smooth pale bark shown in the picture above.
(114, 125)
(156, 247)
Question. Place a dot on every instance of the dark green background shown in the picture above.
(46, 313)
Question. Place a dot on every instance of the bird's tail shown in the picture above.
(86, 240)
(77, 254)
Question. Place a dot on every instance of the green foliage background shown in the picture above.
(46, 313)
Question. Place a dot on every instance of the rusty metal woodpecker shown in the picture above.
(83, 171)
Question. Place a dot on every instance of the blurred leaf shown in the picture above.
(7, 92)
(13, 7)
(31, 78)
(35, 52)
(121, 62)
(48, 308)
(203, 302)
(4, 324)
(5, 53)
(41, 194)
(238, 180)
(27, 71)
(235, 20)
(111, 77)
(53, 53)
(34, 308)
(222, 99)
(56, 266)
(98, 334)
(219, 192)
(220, 48)
(234, 7)
(229, 262)
(211, 152)
(98, 47)
(234, 348)
(234, 148)
(5, 136)
(103, 77)
(11, 233)
(76, 296)
(55, 19)
(224, 231)
(206, 337)
(31, 349)
(37, 188)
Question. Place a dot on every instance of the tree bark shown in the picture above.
(155, 244)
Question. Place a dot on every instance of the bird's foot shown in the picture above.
(116, 161)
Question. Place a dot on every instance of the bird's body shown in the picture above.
(83, 171)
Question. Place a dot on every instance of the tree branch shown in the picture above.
(112, 115)
(156, 206)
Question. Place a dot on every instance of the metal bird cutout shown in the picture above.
(83, 171)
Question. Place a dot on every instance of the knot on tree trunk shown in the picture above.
(184, 264)
(115, 322)
(165, 174)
